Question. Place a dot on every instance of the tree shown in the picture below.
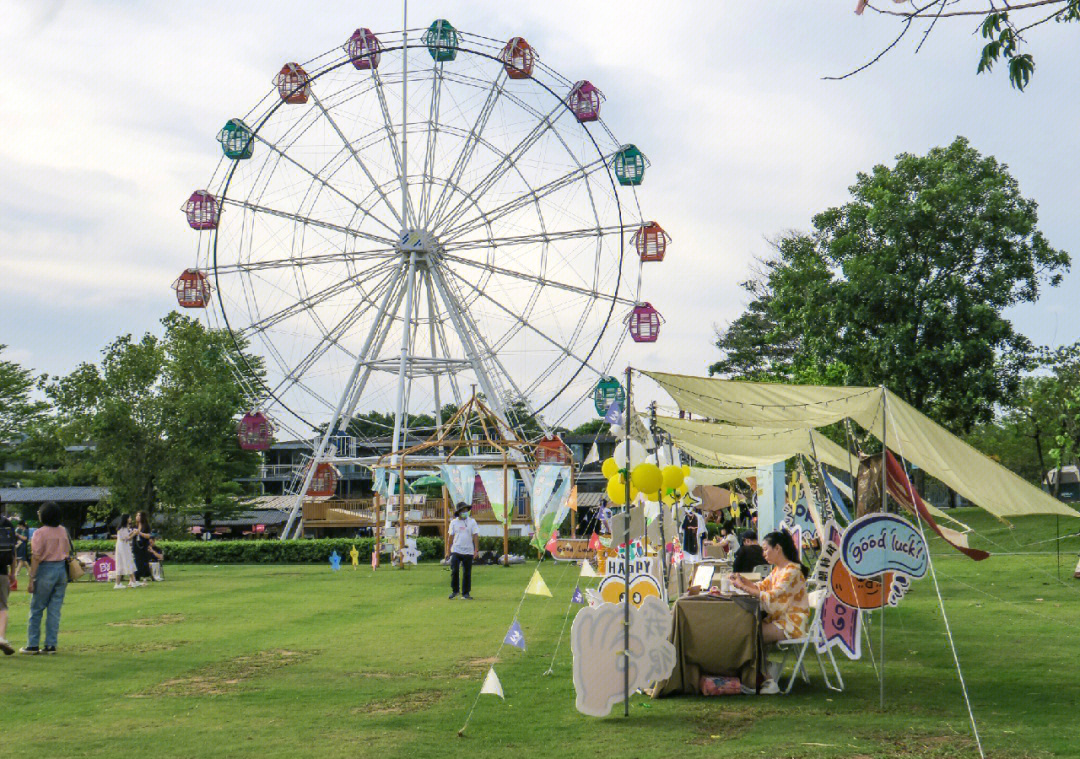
(17, 411)
(201, 401)
(161, 414)
(1003, 29)
(905, 285)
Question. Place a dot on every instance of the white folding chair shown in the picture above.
(814, 634)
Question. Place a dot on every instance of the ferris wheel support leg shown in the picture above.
(401, 406)
(457, 316)
(345, 394)
(434, 377)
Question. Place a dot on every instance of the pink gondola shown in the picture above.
(255, 432)
(202, 210)
(363, 49)
(584, 100)
(645, 323)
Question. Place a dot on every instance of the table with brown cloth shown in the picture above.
(715, 636)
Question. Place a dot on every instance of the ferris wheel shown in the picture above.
(414, 213)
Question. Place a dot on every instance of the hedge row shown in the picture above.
(289, 551)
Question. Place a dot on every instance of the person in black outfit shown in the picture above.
(140, 546)
(749, 554)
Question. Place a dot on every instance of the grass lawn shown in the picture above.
(288, 661)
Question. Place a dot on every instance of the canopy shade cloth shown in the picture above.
(728, 445)
(909, 433)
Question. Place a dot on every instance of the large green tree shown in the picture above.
(161, 415)
(905, 285)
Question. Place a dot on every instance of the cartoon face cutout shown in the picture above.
(856, 593)
(613, 588)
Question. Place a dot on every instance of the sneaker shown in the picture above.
(49, 650)
(467, 597)
(6, 647)
(453, 596)
(119, 586)
(768, 688)
(29, 650)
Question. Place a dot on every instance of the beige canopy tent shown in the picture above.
(791, 410)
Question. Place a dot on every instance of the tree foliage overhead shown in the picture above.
(904, 285)
(17, 410)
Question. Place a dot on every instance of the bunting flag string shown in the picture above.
(537, 586)
(515, 637)
(492, 687)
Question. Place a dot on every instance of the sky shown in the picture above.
(110, 123)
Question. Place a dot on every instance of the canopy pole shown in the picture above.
(885, 510)
(944, 616)
(506, 515)
(626, 558)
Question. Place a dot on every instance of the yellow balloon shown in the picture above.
(668, 499)
(610, 468)
(673, 476)
(652, 496)
(647, 477)
(686, 470)
(682, 490)
(616, 490)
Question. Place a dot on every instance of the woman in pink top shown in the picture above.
(48, 579)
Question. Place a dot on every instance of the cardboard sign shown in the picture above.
(573, 549)
(878, 543)
(102, 568)
(644, 565)
(597, 639)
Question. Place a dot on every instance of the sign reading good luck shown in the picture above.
(876, 544)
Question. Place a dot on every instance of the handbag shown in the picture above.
(75, 568)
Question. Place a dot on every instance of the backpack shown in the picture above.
(7, 543)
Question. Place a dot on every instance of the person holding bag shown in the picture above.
(51, 546)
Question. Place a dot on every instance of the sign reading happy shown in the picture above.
(876, 544)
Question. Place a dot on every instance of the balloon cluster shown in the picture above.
(668, 484)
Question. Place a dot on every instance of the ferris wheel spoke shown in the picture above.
(529, 198)
(508, 161)
(300, 219)
(366, 213)
(536, 279)
(539, 237)
(333, 336)
(521, 321)
(310, 301)
(432, 137)
(356, 156)
(391, 135)
(327, 258)
(471, 141)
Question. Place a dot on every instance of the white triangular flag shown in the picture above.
(587, 570)
(537, 586)
(492, 686)
(593, 457)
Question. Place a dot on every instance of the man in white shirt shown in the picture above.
(464, 547)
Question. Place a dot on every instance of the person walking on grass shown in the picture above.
(22, 547)
(464, 547)
(8, 541)
(50, 546)
(125, 559)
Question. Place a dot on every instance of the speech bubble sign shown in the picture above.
(879, 543)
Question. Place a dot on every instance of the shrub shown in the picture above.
(292, 551)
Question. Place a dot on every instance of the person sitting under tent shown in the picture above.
(749, 554)
(783, 593)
